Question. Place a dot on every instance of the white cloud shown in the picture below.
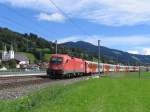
(142, 50)
(55, 17)
(133, 51)
(146, 51)
(108, 12)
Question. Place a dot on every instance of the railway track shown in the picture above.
(14, 82)
(14, 87)
(22, 75)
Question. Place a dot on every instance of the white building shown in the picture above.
(8, 55)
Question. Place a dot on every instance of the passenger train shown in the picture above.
(63, 65)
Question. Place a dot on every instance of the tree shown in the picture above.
(46, 58)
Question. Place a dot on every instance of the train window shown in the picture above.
(56, 60)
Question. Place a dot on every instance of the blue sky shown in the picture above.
(119, 24)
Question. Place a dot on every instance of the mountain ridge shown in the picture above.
(118, 55)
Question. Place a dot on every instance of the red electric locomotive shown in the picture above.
(61, 65)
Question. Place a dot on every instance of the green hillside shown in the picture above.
(35, 47)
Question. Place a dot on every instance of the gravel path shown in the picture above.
(16, 91)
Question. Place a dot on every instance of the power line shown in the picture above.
(25, 18)
(60, 10)
(71, 21)
(9, 20)
(12, 22)
(18, 24)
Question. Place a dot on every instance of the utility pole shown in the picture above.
(56, 47)
(99, 57)
(27, 45)
(40, 56)
(139, 71)
(128, 62)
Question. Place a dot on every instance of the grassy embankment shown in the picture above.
(121, 94)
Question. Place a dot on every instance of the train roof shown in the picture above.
(66, 56)
(60, 55)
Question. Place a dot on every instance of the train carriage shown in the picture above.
(131, 68)
(126, 68)
(136, 68)
(92, 67)
(117, 68)
(111, 68)
(122, 68)
(106, 67)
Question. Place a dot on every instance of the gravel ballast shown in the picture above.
(22, 89)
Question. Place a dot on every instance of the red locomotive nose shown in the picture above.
(57, 67)
(56, 63)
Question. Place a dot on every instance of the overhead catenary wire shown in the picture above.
(25, 18)
(60, 10)
(4, 19)
(68, 17)
(14, 22)
(17, 24)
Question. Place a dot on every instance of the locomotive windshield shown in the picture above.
(56, 60)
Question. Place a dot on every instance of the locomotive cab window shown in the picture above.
(56, 60)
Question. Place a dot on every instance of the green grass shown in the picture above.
(46, 57)
(117, 94)
(130, 75)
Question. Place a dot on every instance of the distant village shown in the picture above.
(21, 60)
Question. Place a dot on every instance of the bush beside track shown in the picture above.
(120, 94)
